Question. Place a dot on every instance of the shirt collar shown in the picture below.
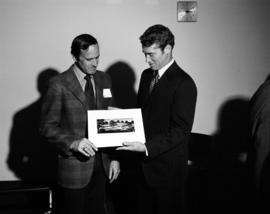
(79, 74)
(164, 68)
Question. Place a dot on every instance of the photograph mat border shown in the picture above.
(115, 139)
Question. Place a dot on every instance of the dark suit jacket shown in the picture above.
(260, 135)
(64, 119)
(168, 115)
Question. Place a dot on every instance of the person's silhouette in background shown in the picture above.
(123, 80)
(30, 157)
(230, 144)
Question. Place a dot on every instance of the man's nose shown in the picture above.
(147, 59)
(95, 62)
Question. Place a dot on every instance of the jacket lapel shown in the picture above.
(163, 83)
(74, 86)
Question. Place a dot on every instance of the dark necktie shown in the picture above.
(154, 81)
(89, 92)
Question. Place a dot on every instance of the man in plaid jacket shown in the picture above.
(82, 167)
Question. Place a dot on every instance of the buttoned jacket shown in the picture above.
(168, 114)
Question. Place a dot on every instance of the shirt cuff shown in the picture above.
(146, 151)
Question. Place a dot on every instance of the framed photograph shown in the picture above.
(187, 11)
(110, 128)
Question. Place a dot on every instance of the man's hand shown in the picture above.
(84, 146)
(133, 146)
(114, 170)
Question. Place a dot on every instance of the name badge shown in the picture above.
(107, 93)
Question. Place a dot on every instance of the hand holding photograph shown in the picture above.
(110, 128)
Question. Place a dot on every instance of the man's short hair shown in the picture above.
(157, 34)
(82, 42)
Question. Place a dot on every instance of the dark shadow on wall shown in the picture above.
(123, 191)
(31, 157)
(230, 182)
(200, 169)
(123, 80)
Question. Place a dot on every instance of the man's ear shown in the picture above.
(74, 58)
(168, 48)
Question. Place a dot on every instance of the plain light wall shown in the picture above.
(226, 51)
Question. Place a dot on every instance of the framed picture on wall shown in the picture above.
(110, 128)
(187, 11)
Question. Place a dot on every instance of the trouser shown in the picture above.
(167, 198)
(88, 200)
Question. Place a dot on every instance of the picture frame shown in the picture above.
(110, 128)
(187, 11)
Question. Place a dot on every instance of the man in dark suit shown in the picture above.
(81, 165)
(259, 155)
(168, 102)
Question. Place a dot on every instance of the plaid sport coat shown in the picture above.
(64, 119)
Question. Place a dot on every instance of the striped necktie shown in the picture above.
(154, 81)
(89, 91)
